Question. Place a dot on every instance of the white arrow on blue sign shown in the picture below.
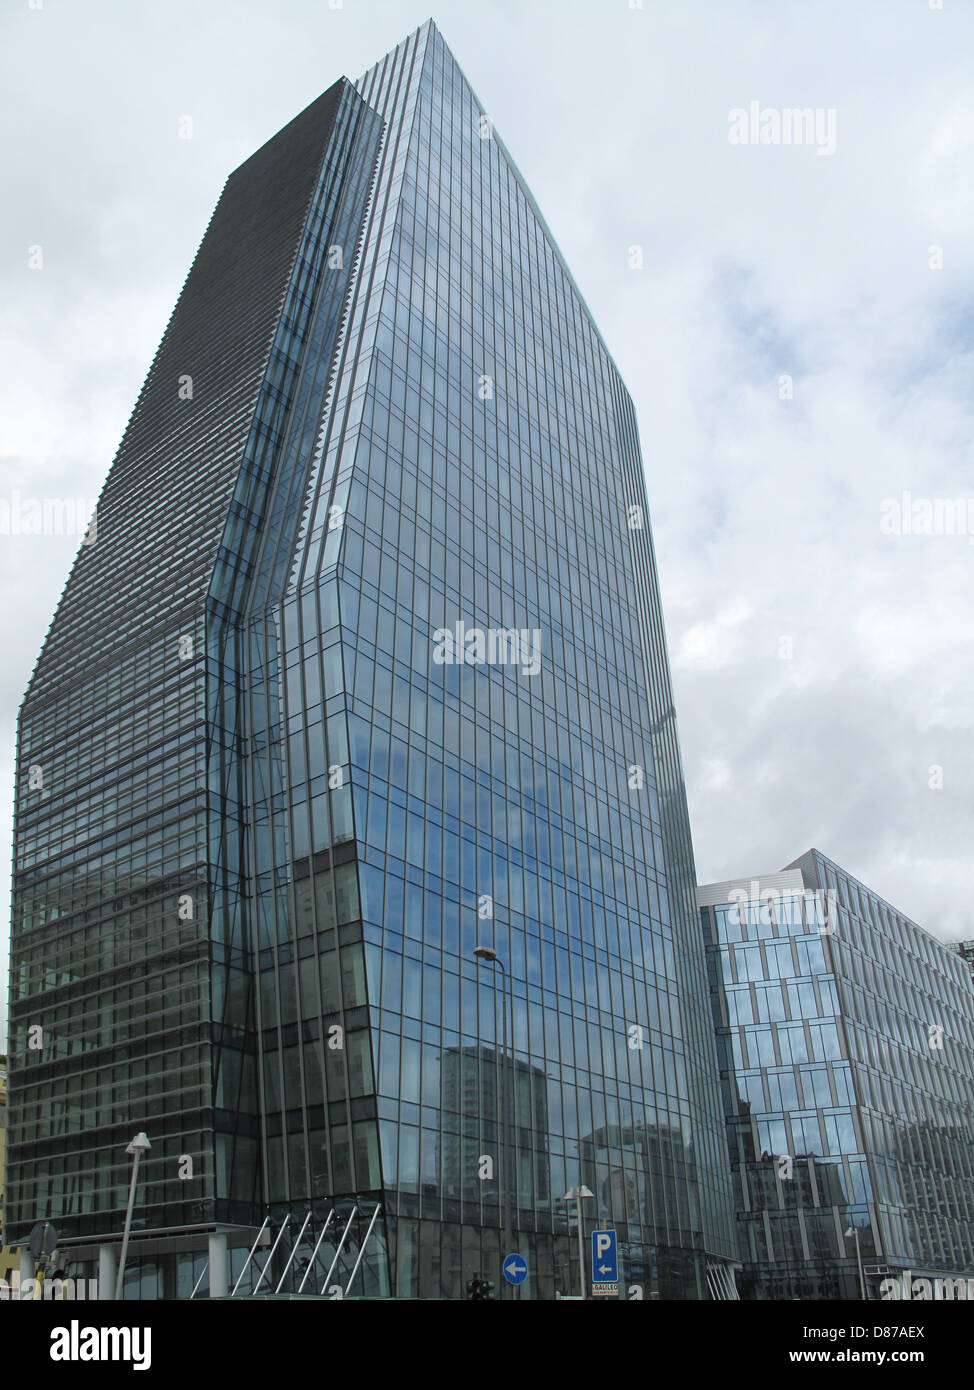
(515, 1269)
(605, 1258)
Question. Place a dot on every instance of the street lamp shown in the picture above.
(575, 1194)
(854, 1231)
(139, 1145)
(487, 953)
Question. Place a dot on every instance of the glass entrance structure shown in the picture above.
(364, 670)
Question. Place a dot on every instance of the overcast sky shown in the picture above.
(843, 263)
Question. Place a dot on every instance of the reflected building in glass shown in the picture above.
(846, 1042)
(479, 1097)
(365, 668)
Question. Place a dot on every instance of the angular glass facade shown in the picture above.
(420, 678)
(846, 1042)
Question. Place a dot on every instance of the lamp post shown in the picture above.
(139, 1145)
(487, 953)
(575, 1194)
(854, 1231)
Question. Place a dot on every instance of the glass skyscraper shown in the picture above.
(363, 669)
(846, 1039)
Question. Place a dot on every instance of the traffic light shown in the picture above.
(478, 1289)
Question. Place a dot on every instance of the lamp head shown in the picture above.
(140, 1144)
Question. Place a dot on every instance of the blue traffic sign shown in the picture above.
(515, 1269)
(605, 1258)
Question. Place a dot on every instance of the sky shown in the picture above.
(793, 319)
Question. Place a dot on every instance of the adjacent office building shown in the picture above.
(965, 949)
(363, 668)
(846, 1041)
